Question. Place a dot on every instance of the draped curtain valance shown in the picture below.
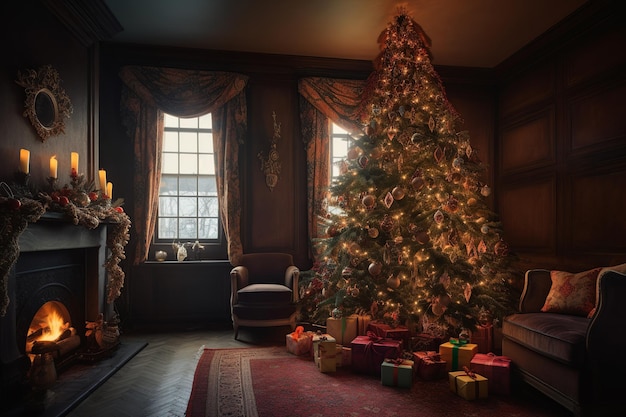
(148, 93)
(321, 100)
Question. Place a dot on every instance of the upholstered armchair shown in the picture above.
(264, 291)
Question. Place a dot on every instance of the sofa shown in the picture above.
(568, 338)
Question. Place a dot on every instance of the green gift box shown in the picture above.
(397, 373)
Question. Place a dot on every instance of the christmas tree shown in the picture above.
(413, 238)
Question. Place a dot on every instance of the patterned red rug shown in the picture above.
(271, 382)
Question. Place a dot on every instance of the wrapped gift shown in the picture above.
(424, 342)
(457, 354)
(344, 356)
(362, 322)
(322, 339)
(483, 337)
(370, 351)
(468, 384)
(389, 332)
(343, 329)
(429, 365)
(497, 369)
(299, 342)
(326, 357)
(397, 373)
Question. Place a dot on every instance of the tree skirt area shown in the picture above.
(269, 381)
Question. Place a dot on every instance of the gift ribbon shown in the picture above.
(456, 343)
(472, 375)
(396, 368)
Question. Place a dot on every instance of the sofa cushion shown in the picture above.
(558, 336)
(572, 293)
(265, 294)
(263, 311)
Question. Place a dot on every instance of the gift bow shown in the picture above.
(469, 372)
(374, 337)
(296, 333)
(458, 342)
(395, 361)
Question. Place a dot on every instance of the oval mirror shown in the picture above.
(45, 108)
(46, 105)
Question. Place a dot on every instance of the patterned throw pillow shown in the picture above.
(572, 293)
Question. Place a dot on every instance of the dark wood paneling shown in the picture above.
(529, 143)
(528, 214)
(598, 117)
(530, 88)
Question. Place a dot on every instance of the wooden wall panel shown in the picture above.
(530, 88)
(529, 143)
(598, 117)
(597, 222)
(528, 214)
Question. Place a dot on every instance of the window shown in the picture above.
(340, 142)
(188, 203)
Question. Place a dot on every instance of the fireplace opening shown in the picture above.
(52, 323)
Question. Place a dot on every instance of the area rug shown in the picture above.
(270, 382)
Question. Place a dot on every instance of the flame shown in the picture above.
(50, 322)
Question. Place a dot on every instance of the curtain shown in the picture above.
(321, 100)
(147, 94)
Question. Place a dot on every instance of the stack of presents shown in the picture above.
(399, 358)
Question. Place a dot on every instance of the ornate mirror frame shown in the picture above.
(46, 105)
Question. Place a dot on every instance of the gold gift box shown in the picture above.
(468, 387)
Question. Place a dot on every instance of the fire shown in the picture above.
(49, 324)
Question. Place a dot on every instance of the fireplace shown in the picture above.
(59, 271)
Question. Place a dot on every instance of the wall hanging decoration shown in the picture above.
(271, 165)
(46, 105)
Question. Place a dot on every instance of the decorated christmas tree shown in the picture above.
(413, 238)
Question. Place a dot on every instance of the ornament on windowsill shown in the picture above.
(271, 165)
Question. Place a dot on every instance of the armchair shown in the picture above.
(264, 291)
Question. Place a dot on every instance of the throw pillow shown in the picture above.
(572, 293)
(619, 268)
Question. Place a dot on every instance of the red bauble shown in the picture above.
(14, 204)
(119, 209)
(64, 201)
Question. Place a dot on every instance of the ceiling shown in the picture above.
(473, 33)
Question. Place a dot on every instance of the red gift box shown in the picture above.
(388, 332)
(370, 351)
(425, 342)
(483, 337)
(429, 365)
(497, 369)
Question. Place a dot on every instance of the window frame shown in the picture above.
(214, 249)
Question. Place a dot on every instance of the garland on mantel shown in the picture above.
(80, 205)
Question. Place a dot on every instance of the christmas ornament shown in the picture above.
(375, 268)
(471, 201)
(484, 229)
(369, 201)
(346, 272)
(485, 190)
(362, 161)
(417, 183)
(501, 248)
(373, 232)
(386, 224)
(336, 313)
(438, 216)
(388, 200)
(393, 282)
(398, 193)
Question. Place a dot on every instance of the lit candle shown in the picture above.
(24, 160)
(54, 164)
(74, 163)
(110, 189)
(103, 181)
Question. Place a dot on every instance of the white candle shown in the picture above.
(24, 160)
(74, 163)
(110, 189)
(54, 165)
(103, 181)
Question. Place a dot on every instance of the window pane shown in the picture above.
(205, 142)
(171, 121)
(338, 130)
(188, 163)
(188, 229)
(206, 121)
(207, 185)
(206, 165)
(169, 185)
(169, 163)
(208, 228)
(188, 185)
(189, 122)
(167, 227)
(188, 142)
(187, 207)
(207, 207)
(168, 206)
(170, 141)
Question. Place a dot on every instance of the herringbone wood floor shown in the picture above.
(157, 381)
